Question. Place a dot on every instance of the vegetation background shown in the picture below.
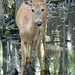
(60, 39)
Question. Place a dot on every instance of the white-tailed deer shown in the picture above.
(31, 21)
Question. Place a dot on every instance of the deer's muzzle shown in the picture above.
(38, 23)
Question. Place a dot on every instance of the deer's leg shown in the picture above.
(29, 59)
(44, 47)
(23, 52)
(39, 53)
(44, 25)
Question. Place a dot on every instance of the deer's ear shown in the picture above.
(46, 1)
(29, 2)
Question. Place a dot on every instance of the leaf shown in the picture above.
(9, 6)
(7, 33)
(11, 14)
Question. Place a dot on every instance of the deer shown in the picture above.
(31, 20)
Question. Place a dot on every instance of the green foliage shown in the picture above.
(12, 27)
(1, 26)
(47, 37)
(7, 33)
(7, 27)
(5, 3)
(10, 5)
(13, 3)
(11, 14)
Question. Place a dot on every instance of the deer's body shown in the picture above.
(31, 25)
(28, 29)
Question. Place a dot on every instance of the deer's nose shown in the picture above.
(38, 23)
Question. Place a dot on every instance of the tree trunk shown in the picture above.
(4, 57)
(1, 13)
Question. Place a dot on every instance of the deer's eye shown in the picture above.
(42, 10)
(33, 10)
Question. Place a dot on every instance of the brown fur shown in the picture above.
(29, 32)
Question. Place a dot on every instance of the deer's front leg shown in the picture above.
(39, 53)
(29, 59)
(44, 46)
(23, 52)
